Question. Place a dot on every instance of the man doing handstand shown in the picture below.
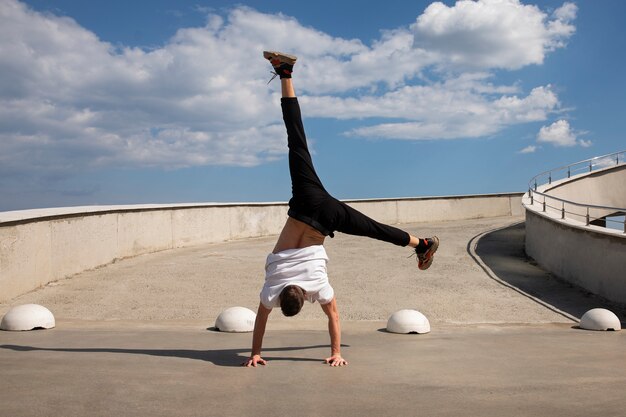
(296, 268)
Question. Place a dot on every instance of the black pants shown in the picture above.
(311, 203)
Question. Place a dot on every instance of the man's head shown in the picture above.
(291, 300)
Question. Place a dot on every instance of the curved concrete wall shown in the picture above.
(41, 246)
(605, 187)
(588, 256)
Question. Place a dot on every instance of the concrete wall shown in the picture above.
(583, 256)
(44, 245)
(588, 256)
(605, 187)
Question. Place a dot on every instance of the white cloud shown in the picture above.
(561, 134)
(448, 110)
(558, 133)
(492, 33)
(529, 149)
(69, 100)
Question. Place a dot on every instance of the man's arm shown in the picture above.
(257, 336)
(334, 329)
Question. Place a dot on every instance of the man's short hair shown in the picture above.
(291, 300)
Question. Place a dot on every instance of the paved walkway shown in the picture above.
(372, 279)
(132, 338)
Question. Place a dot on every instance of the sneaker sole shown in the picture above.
(430, 253)
(289, 59)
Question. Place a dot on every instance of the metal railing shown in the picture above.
(588, 213)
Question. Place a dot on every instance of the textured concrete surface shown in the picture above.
(585, 256)
(133, 338)
(45, 245)
(503, 251)
(372, 279)
(473, 370)
(559, 239)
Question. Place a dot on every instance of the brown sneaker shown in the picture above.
(426, 252)
(282, 63)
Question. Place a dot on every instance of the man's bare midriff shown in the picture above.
(297, 235)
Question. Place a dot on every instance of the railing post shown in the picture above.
(532, 199)
(544, 203)
(535, 184)
(590, 166)
(550, 178)
(587, 216)
(568, 172)
(563, 210)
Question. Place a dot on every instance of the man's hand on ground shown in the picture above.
(336, 360)
(254, 360)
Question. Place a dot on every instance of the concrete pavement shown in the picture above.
(132, 337)
(372, 279)
(477, 370)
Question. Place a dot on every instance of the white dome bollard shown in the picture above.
(236, 320)
(408, 321)
(600, 319)
(27, 317)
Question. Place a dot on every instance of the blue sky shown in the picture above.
(111, 102)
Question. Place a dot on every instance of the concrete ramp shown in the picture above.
(132, 338)
(372, 279)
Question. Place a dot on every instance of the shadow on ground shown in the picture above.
(503, 252)
(220, 357)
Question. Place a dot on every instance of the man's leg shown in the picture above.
(353, 222)
(303, 176)
(309, 194)
(304, 179)
(347, 219)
